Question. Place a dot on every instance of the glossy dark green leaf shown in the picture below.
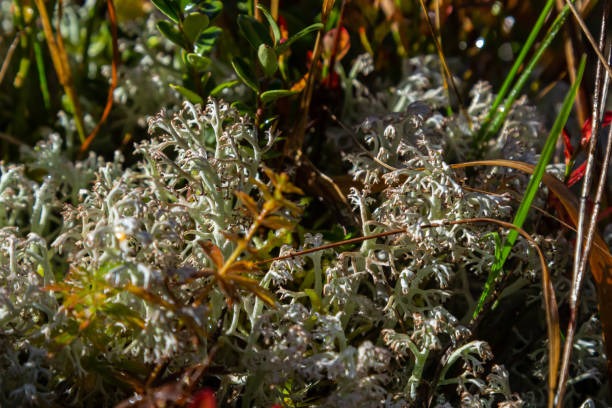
(169, 31)
(254, 31)
(219, 88)
(169, 7)
(194, 24)
(275, 94)
(245, 73)
(268, 59)
(211, 8)
(273, 25)
(207, 40)
(187, 93)
(285, 46)
(198, 62)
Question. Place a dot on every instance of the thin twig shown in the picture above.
(538, 209)
(9, 56)
(570, 60)
(446, 68)
(357, 240)
(14, 140)
(293, 145)
(580, 256)
(113, 85)
(589, 37)
(61, 63)
(606, 84)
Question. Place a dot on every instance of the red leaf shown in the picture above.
(586, 129)
(344, 44)
(576, 175)
(568, 149)
(204, 399)
(282, 25)
(605, 213)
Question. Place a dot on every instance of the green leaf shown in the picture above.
(207, 40)
(255, 32)
(515, 67)
(275, 94)
(199, 63)
(532, 188)
(194, 24)
(245, 73)
(273, 25)
(122, 312)
(187, 93)
(211, 8)
(172, 33)
(169, 8)
(500, 114)
(217, 90)
(285, 46)
(268, 59)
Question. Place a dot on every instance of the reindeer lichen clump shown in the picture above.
(159, 271)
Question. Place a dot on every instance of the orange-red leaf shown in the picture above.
(213, 252)
(248, 202)
(344, 44)
(242, 267)
(276, 222)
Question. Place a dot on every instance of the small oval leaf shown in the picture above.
(254, 31)
(211, 8)
(169, 8)
(198, 62)
(275, 94)
(194, 24)
(207, 40)
(219, 88)
(245, 73)
(268, 59)
(172, 33)
(187, 93)
(275, 28)
(285, 46)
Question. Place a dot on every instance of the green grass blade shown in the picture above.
(500, 116)
(40, 65)
(519, 61)
(532, 188)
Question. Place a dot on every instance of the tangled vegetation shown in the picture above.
(208, 203)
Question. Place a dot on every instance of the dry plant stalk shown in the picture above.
(61, 64)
